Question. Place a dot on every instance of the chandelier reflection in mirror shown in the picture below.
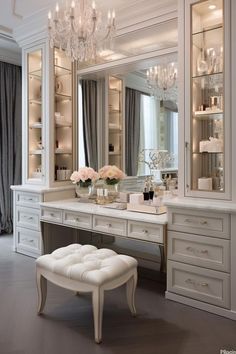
(162, 81)
(81, 30)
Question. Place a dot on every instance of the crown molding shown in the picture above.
(35, 26)
(8, 56)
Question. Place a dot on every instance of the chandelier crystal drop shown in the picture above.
(81, 30)
(162, 81)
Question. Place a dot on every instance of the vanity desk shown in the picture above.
(72, 215)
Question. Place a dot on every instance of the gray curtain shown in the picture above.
(132, 130)
(89, 97)
(10, 139)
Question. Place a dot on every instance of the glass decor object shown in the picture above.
(81, 30)
(35, 115)
(207, 96)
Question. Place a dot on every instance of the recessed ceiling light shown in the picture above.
(211, 7)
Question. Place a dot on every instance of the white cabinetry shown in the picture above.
(199, 256)
(26, 210)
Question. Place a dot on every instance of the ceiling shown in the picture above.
(14, 12)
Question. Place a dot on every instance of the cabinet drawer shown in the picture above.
(78, 220)
(51, 215)
(209, 252)
(26, 199)
(28, 239)
(199, 222)
(198, 283)
(28, 217)
(109, 225)
(145, 231)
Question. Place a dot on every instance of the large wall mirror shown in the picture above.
(123, 120)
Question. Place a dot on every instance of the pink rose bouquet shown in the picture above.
(84, 176)
(111, 174)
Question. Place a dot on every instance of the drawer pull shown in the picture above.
(190, 221)
(109, 225)
(203, 284)
(145, 232)
(28, 217)
(203, 222)
(52, 215)
(191, 249)
(77, 219)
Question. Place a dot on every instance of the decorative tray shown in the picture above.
(149, 209)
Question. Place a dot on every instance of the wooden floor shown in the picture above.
(161, 326)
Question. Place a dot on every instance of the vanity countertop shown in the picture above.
(202, 204)
(92, 208)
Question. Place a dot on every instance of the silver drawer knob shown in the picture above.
(52, 215)
(203, 222)
(203, 284)
(109, 225)
(145, 231)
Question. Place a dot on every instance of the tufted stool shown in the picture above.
(87, 269)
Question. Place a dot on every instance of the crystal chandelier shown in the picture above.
(162, 81)
(79, 29)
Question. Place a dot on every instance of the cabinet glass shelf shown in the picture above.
(34, 101)
(219, 26)
(61, 71)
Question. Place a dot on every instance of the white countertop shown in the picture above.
(91, 208)
(41, 189)
(202, 204)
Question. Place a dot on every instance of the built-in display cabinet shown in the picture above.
(115, 122)
(207, 110)
(49, 136)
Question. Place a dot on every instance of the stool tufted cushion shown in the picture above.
(86, 263)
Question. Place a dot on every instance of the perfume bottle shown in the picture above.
(151, 190)
(146, 190)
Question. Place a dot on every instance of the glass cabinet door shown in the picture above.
(207, 147)
(63, 116)
(115, 121)
(35, 116)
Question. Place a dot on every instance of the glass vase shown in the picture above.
(112, 189)
(83, 191)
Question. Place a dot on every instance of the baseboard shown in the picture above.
(201, 305)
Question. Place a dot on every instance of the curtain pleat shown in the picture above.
(10, 139)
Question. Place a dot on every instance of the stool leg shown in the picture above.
(130, 292)
(98, 299)
(42, 291)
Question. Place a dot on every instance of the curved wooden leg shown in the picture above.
(42, 291)
(98, 300)
(130, 292)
